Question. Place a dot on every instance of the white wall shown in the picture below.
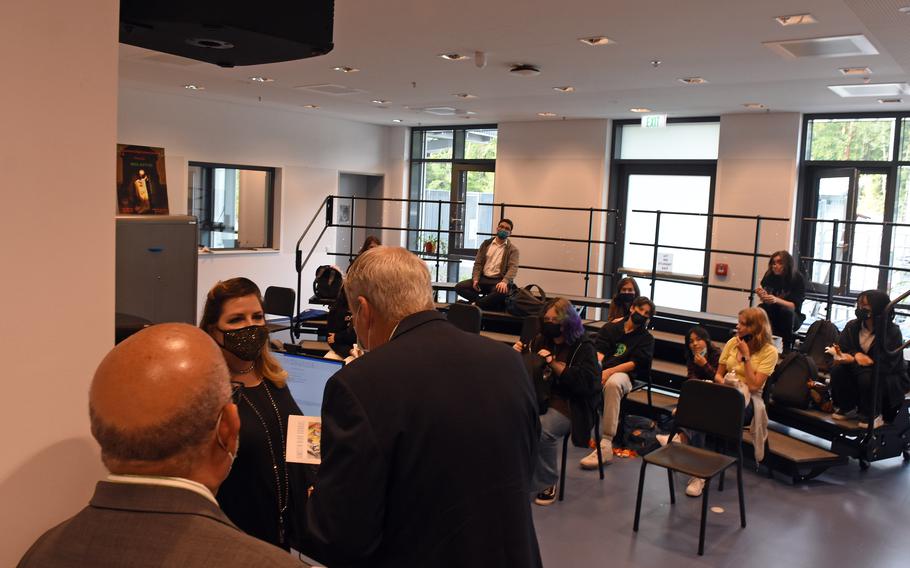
(57, 155)
(556, 163)
(309, 149)
(757, 174)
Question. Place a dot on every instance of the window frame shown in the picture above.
(807, 197)
(205, 225)
(621, 169)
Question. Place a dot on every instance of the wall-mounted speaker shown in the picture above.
(230, 33)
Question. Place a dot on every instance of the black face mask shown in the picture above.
(862, 314)
(626, 298)
(638, 319)
(551, 330)
(245, 343)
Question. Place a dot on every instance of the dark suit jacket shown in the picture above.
(129, 525)
(428, 448)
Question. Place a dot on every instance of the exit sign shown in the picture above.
(654, 121)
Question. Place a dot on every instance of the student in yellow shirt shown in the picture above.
(749, 356)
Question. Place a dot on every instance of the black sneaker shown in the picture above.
(547, 496)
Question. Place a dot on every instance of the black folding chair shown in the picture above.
(465, 317)
(565, 452)
(279, 302)
(716, 410)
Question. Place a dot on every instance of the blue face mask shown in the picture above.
(502, 234)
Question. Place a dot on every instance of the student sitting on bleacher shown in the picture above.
(745, 363)
(571, 364)
(494, 270)
(782, 291)
(701, 363)
(625, 349)
(626, 291)
(854, 367)
(702, 356)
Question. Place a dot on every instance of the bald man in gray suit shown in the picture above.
(160, 408)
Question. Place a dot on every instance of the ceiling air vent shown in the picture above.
(882, 90)
(330, 89)
(839, 46)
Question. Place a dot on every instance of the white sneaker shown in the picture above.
(606, 451)
(695, 487)
(864, 423)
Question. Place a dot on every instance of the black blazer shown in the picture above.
(428, 447)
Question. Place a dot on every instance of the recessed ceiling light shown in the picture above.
(396, 120)
(754, 106)
(311, 107)
(566, 89)
(904, 9)
(464, 95)
(193, 88)
(262, 79)
(381, 101)
(889, 101)
(640, 109)
(453, 56)
(546, 114)
(693, 80)
(346, 69)
(796, 20)
(853, 71)
(596, 41)
(525, 70)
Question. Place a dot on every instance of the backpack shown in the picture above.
(789, 383)
(327, 283)
(639, 434)
(521, 302)
(821, 334)
(539, 372)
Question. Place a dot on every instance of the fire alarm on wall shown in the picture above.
(720, 269)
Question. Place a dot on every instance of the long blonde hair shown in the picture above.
(758, 325)
(265, 365)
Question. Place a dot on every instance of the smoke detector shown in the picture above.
(525, 70)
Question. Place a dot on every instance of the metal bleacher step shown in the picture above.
(508, 338)
(669, 368)
(661, 401)
(799, 458)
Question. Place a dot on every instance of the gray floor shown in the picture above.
(844, 517)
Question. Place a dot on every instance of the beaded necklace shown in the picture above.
(282, 499)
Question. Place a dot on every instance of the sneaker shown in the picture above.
(877, 423)
(695, 487)
(606, 451)
(841, 415)
(547, 496)
(664, 439)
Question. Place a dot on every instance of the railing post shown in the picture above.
(588, 260)
(832, 267)
(755, 259)
(351, 241)
(439, 235)
(654, 257)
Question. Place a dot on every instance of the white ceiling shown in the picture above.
(396, 43)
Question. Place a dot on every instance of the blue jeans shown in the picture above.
(553, 427)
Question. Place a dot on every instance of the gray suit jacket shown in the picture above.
(131, 525)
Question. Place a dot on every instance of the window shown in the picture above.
(234, 205)
(453, 170)
(854, 186)
(674, 167)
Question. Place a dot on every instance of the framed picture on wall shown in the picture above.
(141, 181)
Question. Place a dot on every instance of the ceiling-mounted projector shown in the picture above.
(230, 34)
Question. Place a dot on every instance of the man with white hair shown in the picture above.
(160, 408)
(428, 440)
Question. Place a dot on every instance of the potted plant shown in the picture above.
(430, 244)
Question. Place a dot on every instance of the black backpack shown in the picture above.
(639, 434)
(821, 334)
(327, 283)
(521, 302)
(789, 383)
